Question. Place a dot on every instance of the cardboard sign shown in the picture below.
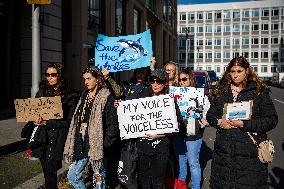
(123, 52)
(151, 115)
(238, 110)
(46, 107)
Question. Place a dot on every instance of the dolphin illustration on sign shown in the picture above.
(132, 46)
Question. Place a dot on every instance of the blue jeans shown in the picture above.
(76, 169)
(189, 152)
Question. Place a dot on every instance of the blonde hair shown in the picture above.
(176, 70)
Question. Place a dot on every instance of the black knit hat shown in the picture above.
(160, 74)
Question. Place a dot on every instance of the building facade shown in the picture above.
(213, 34)
(68, 30)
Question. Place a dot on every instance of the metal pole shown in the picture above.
(197, 58)
(186, 56)
(35, 49)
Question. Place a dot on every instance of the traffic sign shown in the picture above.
(42, 2)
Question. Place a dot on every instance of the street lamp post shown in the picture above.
(197, 58)
(186, 47)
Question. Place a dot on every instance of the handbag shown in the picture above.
(265, 149)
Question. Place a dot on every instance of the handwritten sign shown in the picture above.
(123, 52)
(46, 107)
(151, 115)
(238, 110)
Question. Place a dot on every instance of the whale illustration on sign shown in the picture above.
(131, 46)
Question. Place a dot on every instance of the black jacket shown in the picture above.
(56, 129)
(235, 161)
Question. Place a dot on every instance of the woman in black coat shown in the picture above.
(50, 150)
(235, 161)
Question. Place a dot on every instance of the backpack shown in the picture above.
(133, 91)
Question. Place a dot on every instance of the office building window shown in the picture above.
(182, 56)
(255, 13)
(200, 54)
(217, 55)
(209, 16)
(254, 69)
(218, 28)
(236, 54)
(183, 29)
(264, 27)
(217, 42)
(254, 55)
(217, 69)
(191, 56)
(236, 27)
(245, 54)
(273, 69)
(274, 55)
(226, 55)
(227, 42)
(264, 54)
(245, 13)
(236, 14)
(94, 15)
(208, 67)
(274, 26)
(226, 14)
(200, 16)
(137, 21)
(245, 41)
(191, 16)
(227, 28)
(182, 16)
(218, 15)
(199, 42)
(208, 29)
(190, 29)
(236, 41)
(200, 29)
(275, 12)
(120, 18)
(245, 27)
(182, 43)
(254, 41)
(263, 69)
(274, 40)
(281, 68)
(265, 13)
(208, 55)
(208, 42)
(282, 26)
(264, 41)
(255, 27)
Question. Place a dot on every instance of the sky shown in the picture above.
(206, 1)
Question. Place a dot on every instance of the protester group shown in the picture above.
(89, 134)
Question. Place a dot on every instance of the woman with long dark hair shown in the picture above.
(50, 151)
(235, 161)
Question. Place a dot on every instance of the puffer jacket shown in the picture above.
(235, 161)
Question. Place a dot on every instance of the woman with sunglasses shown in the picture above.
(93, 134)
(188, 149)
(154, 150)
(50, 152)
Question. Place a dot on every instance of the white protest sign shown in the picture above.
(238, 110)
(151, 115)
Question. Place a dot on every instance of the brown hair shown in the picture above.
(224, 84)
(192, 78)
(97, 74)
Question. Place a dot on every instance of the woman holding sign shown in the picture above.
(93, 134)
(235, 161)
(50, 151)
(188, 150)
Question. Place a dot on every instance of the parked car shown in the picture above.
(213, 77)
(203, 81)
(281, 84)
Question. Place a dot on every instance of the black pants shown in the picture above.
(49, 168)
(152, 170)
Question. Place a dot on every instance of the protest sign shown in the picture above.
(46, 107)
(123, 52)
(188, 98)
(151, 115)
(238, 110)
(191, 104)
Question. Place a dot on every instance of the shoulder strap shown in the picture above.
(251, 137)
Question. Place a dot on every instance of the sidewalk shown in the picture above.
(11, 142)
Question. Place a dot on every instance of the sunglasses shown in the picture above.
(182, 79)
(51, 74)
(155, 80)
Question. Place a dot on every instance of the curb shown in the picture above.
(13, 147)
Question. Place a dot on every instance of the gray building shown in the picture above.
(216, 33)
(68, 30)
